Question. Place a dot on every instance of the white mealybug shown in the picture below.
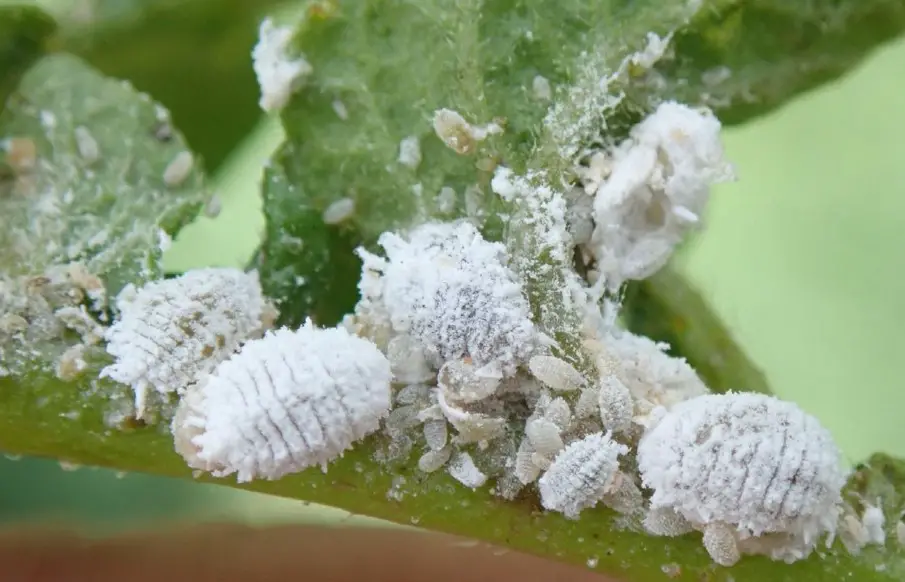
(581, 475)
(544, 436)
(616, 404)
(462, 469)
(283, 403)
(751, 465)
(653, 377)
(556, 373)
(179, 168)
(462, 382)
(171, 333)
(453, 292)
(658, 186)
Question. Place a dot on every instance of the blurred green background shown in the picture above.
(802, 256)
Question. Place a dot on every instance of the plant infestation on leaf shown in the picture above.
(500, 204)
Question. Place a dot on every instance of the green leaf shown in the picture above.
(25, 32)
(194, 56)
(82, 424)
(747, 57)
(667, 308)
(85, 203)
(392, 64)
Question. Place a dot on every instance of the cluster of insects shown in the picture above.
(446, 360)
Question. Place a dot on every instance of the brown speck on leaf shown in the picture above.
(21, 155)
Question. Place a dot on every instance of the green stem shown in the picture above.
(668, 308)
(43, 416)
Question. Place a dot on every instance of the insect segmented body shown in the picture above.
(285, 402)
(582, 474)
(171, 333)
(748, 464)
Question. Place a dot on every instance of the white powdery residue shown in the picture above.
(170, 333)
(658, 187)
(462, 469)
(755, 473)
(278, 71)
(285, 402)
(339, 211)
(654, 378)
(453, 292)
(581, 475)
(164, 240)
(873, 521)
(410, 152)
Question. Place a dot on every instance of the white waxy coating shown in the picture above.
(173, 332)
(581, 474)
(751, 461)
(452, 291)
(463, 470)
(286, 402)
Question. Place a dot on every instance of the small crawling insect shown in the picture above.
(171, 333)
(582, 475)
(285, 402)
(756, 474)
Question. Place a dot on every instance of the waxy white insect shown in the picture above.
(283, 403)
(556, 373)
(452, 291)
(582, 474)
(462, 469)
(171, 333)
(751, 465)
(615, 403)
(179, 169)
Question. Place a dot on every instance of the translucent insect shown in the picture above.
(171, 333)
(433, 460)
(339, 211)
(460, 381)
(544, 436)
(747, 469)
(472, 427)
(86, 145)
(556, 373)
(462, 469)
(581, 475)
(283, 403)
(179, 168)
